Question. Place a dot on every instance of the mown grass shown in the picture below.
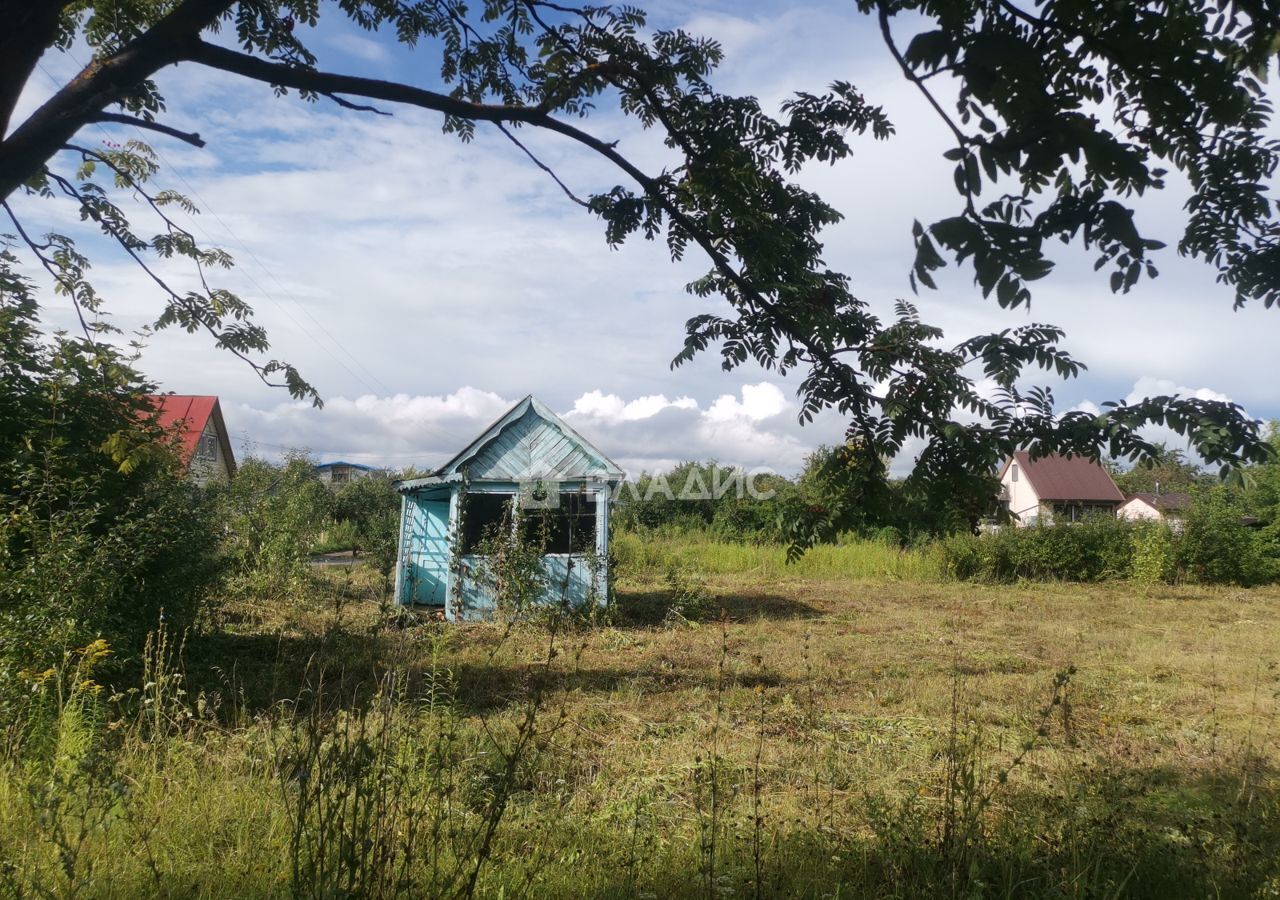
(824, 737)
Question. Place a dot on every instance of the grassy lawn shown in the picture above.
(788, 733)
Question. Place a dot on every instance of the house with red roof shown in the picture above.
(1056, 489)
(200, 435)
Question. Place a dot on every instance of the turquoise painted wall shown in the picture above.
(425, 576)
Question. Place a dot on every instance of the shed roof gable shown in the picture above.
(528, 443)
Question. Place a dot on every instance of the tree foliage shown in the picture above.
(1167, 469)
(99, 533)
(372, 507)
(1065, 111)
(273, 514)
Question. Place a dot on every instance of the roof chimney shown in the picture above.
(1157, 489)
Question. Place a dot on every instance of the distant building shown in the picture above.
(1056, 489)
(204, 449)
(1158, 507)
(338, 473)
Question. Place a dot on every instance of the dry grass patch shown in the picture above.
(779, 736)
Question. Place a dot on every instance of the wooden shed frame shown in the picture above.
(529, 445)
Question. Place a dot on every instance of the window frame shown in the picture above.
(578, 505)
(207, 447)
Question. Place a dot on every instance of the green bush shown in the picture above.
(87, 572)
(1215, 548)
(274, 514)
(370, 508)
(336, 537)
(1097, 549)
(1212, 548)
(1154, 553)
(98, 530)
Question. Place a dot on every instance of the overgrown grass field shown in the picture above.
(650, 556)
(733, 727)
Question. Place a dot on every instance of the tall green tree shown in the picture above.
(99, 531)
(1064, 112)
(1166, 469)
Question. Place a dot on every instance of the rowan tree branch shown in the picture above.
(358, 107)
(47, 264)
(120, 119)
(102, 82)
(199, 318)
(28, 29)
(544, 167)
(328, 83)
(886, 32)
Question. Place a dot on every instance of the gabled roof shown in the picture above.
(528, 442)
(1171, 502)
(1066, 479)
(187, 415)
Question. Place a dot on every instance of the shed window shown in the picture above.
(1013, 473)
(569, 527)
(483, 516)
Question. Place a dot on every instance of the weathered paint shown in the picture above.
(530, 444)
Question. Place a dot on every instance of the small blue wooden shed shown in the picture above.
(528, 461)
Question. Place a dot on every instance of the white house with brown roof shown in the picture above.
(1168, 507)
(1056, 489)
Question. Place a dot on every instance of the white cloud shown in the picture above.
(360, 47)
(653, 433)
(645, 433)
(759, 401)
(611, 407)
(1147, 387)
(394, 265)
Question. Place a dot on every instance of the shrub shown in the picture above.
(98, 530)
(87, 572)
(1154, 557)
(370, 509)
(1215, 548)
(274, 513)
(1097, 549)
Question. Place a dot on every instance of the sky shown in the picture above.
(424, 285)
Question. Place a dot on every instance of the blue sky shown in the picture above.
(423, 285)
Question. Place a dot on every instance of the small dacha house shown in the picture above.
(528, 469)
(340, 472)
(204, 449)
(1169, 507)
(1056, 489)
